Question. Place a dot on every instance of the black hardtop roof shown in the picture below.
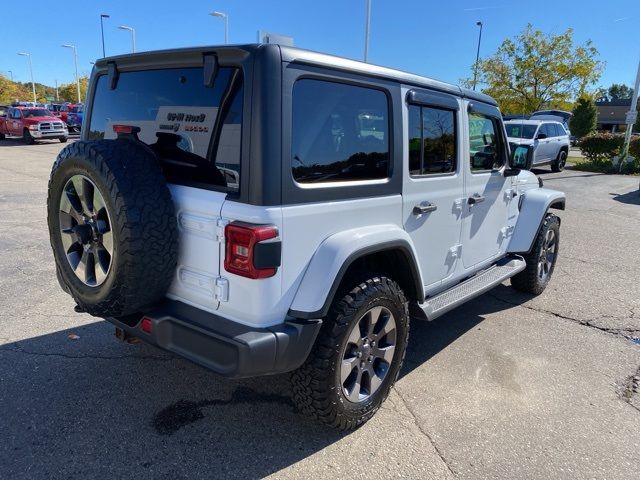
(300, 55)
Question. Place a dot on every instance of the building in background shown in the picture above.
(612, 114)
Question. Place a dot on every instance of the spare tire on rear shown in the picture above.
(112, 226)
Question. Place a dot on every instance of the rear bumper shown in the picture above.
(226, 347)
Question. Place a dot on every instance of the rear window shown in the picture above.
(340, 132)
(194, 130)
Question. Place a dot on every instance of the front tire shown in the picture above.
(357, 356)
(560, 162)
(27, 138)
(63, 139)
(541, 260)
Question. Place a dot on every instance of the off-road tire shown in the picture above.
(143, 223)
(529, 280)
(560, 161)
(317, 388)
(27, 138)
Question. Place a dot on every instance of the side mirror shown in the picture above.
(521, 157)
(541, 136)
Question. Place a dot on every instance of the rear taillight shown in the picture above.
(248, 251)
(117, 128)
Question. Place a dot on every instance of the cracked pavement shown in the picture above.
(507, 386)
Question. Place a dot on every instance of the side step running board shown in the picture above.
(445, 301)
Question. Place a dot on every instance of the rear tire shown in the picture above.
(541, 260)
(27, 138)
(357, 355)
(560, 162)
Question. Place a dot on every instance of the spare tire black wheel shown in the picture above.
(112, 226)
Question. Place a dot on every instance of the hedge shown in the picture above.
(601, 147)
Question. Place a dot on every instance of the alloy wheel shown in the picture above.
(547, 255)
(85, 229)
(368, 354)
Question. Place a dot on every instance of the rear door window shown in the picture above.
(432, 140)
(340, 132)
(548, 130)
(194, 130)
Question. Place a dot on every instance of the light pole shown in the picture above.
(11, 74)
(103, 15)
(33, 85)
(225, 17)
(367, 24)
(133, 36)
(475, 73)
(632, 116)
(75, 61)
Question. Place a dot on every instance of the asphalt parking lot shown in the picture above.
(507, 386)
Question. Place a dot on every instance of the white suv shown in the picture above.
(549, 140)
(262, 209)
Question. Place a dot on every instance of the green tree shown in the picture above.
(619, 91)
(585, 116)
(12, 91)
(534, 71)
(68, 92)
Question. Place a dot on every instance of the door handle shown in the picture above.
(424, 207)
(476, 199)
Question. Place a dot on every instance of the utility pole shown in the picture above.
(367, 26)
(475, 73)
(632, 116)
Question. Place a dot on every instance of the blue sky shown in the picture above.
(432, 38)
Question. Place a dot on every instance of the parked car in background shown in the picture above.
(550, 140)
(514, 116)
(67, 108)
(32, 123)
(74, 119)
(54, 108)
(561, 116)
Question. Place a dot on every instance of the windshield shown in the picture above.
(35, 112)
(75, 109)
(520, 130)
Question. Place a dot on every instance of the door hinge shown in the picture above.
(220, 224)
(507, 231)
(455, 251)
(221, 290)
(509, 194)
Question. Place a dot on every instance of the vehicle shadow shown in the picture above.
(80, 405)
(631, 198)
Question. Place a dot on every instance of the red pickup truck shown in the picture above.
(32, 123)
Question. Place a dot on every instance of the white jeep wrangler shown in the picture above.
(262, 209)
